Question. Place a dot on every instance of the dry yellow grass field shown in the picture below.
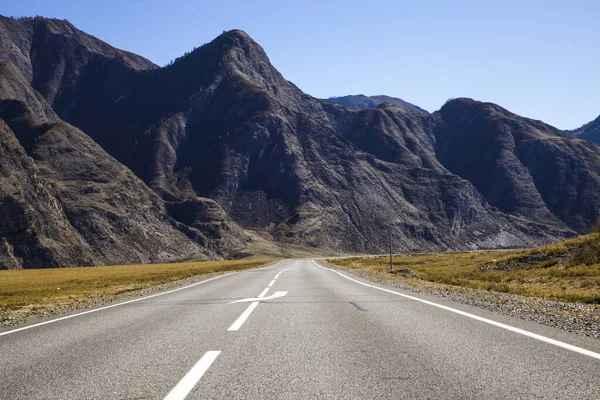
(47, 288)
(567, 271)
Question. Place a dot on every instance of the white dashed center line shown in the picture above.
(242, 318)
(187, 383)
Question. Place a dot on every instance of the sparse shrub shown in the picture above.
(591, 300)
(556, 249)
(587, 254)
(548, 263)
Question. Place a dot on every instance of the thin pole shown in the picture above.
(390, 233)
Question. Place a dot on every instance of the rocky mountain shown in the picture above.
(230, 147)
(360, 102)
(65, 202)
(521, 166)
(589, 131)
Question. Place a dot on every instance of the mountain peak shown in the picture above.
(237, 38)
(224, 44)
(238, 33)
(30, 34)
(462, 105)
(461, 102)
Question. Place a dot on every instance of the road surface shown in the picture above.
(294, 330)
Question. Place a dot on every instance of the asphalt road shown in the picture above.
(314, 334)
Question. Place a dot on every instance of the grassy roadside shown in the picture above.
(568, 271)
(39, 292)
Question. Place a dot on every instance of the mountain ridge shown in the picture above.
(230, 147)
(360, 101)
(245, 59)
(589, 131)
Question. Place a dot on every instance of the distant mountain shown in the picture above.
(360, 102)
(589, 131)
(226, 146)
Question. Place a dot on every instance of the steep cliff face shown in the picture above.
(228, 144)
(65, 202)
(34, 231)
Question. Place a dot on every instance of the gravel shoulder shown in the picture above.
(583, 319)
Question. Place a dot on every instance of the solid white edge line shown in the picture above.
(478, 318)
(187, 383)
(112, 305)
(121, 304)
(242, 318)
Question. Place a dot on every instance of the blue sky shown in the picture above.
(540, 59)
